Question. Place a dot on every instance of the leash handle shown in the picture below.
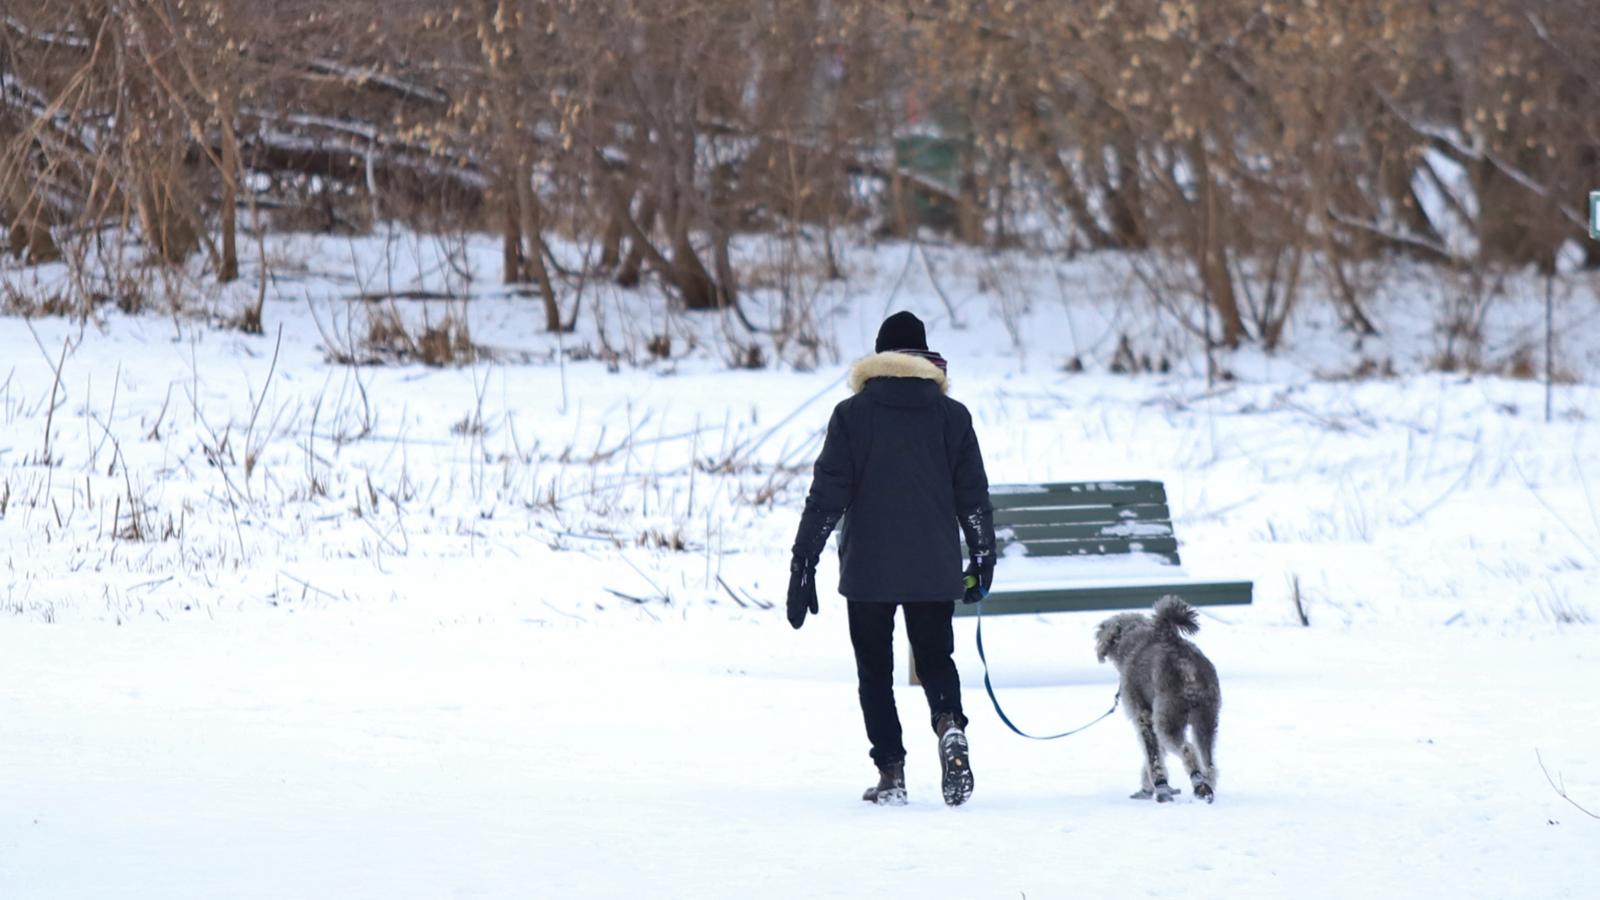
(989, 687)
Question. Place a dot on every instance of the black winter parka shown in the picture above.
(900, 464)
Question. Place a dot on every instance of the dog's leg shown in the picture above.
(1154, 780)
(1197, 772)
(1146, 790)
(1169, 727)
(1197, 753)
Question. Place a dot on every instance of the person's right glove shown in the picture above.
(802, 590)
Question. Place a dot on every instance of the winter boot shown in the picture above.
(953, 761)
(891, 787)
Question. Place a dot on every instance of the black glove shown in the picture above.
(977, 527)
(978, 577)
(802, 590)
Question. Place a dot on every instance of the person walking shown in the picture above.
(901, 474)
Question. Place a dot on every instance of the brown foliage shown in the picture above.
(1250, 142)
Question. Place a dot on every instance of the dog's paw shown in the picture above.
(1204, 792)
(1166, 793)
(1141, 795)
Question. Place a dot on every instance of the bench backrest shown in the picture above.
(1085, 518)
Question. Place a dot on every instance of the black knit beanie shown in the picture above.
(902, 331)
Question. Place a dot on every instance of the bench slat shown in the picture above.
(1102, 546)
(1028, 496)
(1196, 593)
(1096, 530)
(1060, 515)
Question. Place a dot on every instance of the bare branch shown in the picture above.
(1560, 787)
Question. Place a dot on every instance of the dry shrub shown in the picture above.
(787, 271)
(1366, 368)
(657, 539)
(1447, 362)
(448, 343)
(32, 243)
(469, 425)
(1127, 362)
(128, 295)
(1526, 365)
(1521, 365)
(751, 357)
(15, 302)
(387, 335)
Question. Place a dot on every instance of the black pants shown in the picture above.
(932, 642)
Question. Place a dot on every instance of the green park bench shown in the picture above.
(1104, 545)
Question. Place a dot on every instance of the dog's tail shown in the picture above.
(1174, 617)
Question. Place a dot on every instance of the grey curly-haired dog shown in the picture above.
(1170, 691)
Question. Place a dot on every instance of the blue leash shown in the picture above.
(1002, 713)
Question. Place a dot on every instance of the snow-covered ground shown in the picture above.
(277, 627)
(324, 756)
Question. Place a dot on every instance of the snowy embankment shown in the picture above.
(278, 627)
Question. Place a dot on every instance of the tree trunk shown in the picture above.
(533, 233)
(695, 285)
(1272, 333)
(230, 194)
(1355, 318)
(1216, 279)
(31, 240)
(510, 238)
(694, 282)
(628, 275)
(165, 226)
(971, 206)
(1218, 284)
(899, 223)
(1072, 197)
(1125, 199)
(611, 238)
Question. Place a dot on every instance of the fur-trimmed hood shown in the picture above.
(892, 364)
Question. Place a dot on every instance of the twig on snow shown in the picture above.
(742, 604)
(1559, 785)
(1528, 483)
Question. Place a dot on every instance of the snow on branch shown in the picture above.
(19, 95)
(366, 141)
(23, 95)
(367, 75)
(1452, 138)
(54, 38)
(1393, 235)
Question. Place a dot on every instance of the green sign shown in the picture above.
(1594, 215)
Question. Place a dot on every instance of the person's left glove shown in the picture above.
(977, 527)
(802, 590)
(978, 577)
